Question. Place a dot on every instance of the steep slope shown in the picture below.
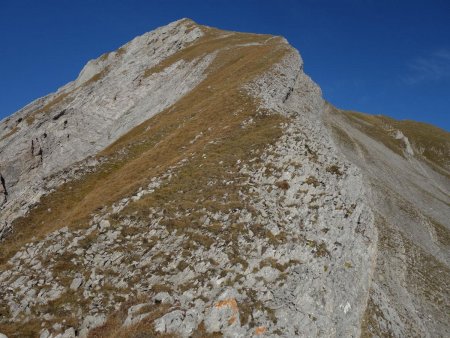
(201, 192)
(112, 95)
(407, 166)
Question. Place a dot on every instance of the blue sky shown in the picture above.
(380, 57)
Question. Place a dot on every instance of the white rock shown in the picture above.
(170, 322)
(76, 282)
(163, 297)
(104, 224)
(90, 322)
(44, 334)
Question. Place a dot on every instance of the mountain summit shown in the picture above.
(195, 183)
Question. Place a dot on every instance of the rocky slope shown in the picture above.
(406, 165)
(195, 183)
(112, 94)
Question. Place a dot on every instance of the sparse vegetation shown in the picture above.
(161, 288)
(96, 77)
(312, 180)
(202, 205)
(430, 142)
(14, 130)
(172, 130)
(88, 240)
(272, 262)
(320, 249)
(282, 185)
(145, 328)
(334, 169)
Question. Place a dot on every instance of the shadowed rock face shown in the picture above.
(195, 182)
(3, 191)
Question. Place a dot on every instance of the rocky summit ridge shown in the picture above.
(195, 183)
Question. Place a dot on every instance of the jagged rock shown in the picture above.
(269, 274)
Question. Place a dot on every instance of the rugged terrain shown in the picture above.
(195, 183)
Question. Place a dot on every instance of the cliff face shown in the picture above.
(112, 95)
(193, 182)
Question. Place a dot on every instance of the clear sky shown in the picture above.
(386, 57)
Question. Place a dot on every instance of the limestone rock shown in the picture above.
(163, 297)
(76, 282)
(91, 322)
(195, 181)
(62, 128)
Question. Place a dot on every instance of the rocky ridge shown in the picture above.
(246, 217)
(86, 115)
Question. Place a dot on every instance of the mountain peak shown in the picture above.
(195, 182)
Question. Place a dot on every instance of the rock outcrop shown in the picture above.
(112, 95)
(3, 191)
(193, 183)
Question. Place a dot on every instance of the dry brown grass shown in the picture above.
(432, 142)
(25, 330)
(96, 77)
(272, 262)
(282, 185)
(320, 249)
(213, 40)
(312, 180)
(113, 327)
(62, 309)
(121, 51)
(334, 169)
(10, 133)
(216, 107)
(172, 130)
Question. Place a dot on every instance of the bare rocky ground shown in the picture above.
(409, 294)
(253, 220)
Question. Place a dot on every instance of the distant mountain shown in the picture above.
(195, 183)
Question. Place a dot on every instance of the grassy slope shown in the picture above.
(216, 108)
(430, 142)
